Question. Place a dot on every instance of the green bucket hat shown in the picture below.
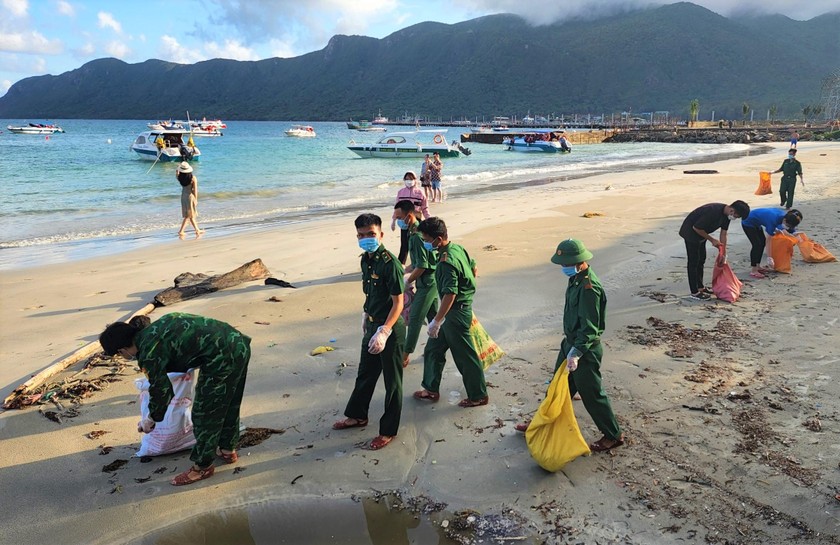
(571, 252)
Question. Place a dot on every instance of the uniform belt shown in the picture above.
(373, 320)
(462, 305)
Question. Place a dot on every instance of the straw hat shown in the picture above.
(185, 167)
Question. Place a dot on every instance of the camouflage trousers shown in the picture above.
(215, 413)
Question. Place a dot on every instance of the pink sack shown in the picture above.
(725, 284)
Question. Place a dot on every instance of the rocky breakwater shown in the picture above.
(703, 136)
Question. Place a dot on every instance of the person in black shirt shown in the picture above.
(697, 228)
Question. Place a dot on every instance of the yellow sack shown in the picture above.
(764, 187)
(488, 351)
(553, 436)
(813, 252)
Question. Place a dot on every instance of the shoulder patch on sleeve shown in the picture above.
(386, 256)
(444, 256)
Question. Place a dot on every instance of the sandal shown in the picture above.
(380, 441)
(184, 478)
(466, 403)
(603, 444)
(427, 395)
(523, 426)
(757, 275)
(229, 457)
(348, 423)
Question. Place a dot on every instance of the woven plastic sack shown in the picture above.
(553, 436)
(813, 252)
(781, 250)
(408, 297)
(175, 432)
(764, 187)
(725, 285)
(488, 351)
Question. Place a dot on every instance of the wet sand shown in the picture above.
(737, 464)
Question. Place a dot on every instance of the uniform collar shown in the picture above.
(375, 255)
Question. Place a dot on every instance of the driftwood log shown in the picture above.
(187, 286)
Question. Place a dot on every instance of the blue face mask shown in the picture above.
(401, 224)
(369, 244)
(569, 271)
(428, 246)
(790, 156)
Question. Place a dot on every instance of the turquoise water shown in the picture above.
(84, 193)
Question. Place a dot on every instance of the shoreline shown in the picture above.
(654, 489)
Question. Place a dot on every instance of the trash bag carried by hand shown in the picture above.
(781, 251)
(813, 252)
(725, 284)
(764, 187)
(553, 436)
(488, 351)
(175, 432)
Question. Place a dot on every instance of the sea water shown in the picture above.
(84, 192)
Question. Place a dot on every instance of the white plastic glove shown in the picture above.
(771, 263)
(146, 425)
(377, 342)
(364, 322)
(434, 327)
(572, 359)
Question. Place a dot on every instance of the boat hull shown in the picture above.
(536, 147)
(166, 155)
(34, 130)
(402, 152)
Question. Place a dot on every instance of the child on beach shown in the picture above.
(418, 199)
(189, 198)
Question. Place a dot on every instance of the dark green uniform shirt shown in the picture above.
(586, 310)
(382, 277)
(790, 168)
(421, 258)
(454, 273)
(178, 342)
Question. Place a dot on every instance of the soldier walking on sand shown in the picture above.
(450, 328)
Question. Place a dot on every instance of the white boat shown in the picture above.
(412, 144)
(200, 128)
(166, 125)
(535, 143)
(166, 145)
(380, 119)
(301, 131)
(35, 128)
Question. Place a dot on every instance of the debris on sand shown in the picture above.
(471, 527)
(255, 436)
(96, 434)
(115, 465)
(657, 295)
(813, 423)
(683, 341)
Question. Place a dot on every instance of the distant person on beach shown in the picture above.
(425, 178)
(418, 198)
(450, 328)
(176, 343)
(435, 168)
(584, 321)
(794, 139)
(424, 305)
(189, 198)
(697, 229)
(769, 220)
(790, 168)
(383, 334)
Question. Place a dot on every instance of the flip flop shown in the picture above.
(346, 425)
(229, 458)
(380, 441)
(426, 395)
(603, 444)
(523, 427)
(757, 275)
(467, 403)
(184, 478)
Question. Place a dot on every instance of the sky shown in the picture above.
(40, 37)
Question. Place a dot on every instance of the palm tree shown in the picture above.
(772, 113)
(745, 109)
(694, 108)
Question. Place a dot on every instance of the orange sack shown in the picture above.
(781, 250)
(725, 284)
(813, 252)
(764, 187)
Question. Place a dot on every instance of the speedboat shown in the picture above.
(412, 144)
(202, 128)
(301, 131)
(166, 145)
(166, 125)
(35, 128)
(536, 143)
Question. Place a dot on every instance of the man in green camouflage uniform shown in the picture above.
(384, 334)
(424, 305)
(450, 328)
(178, 342)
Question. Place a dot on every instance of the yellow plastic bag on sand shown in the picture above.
(781, 250)
(764, 187)
(488, 351)
(553, 436)
(321, 350)
(813, 252)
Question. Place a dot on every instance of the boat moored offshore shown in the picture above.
(166, 145)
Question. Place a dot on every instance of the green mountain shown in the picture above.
(643, 60)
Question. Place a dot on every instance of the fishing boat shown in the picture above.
(412, 144)
(538, 142)
(301, 131)
(166, 145)
(35, 128)
(380, 119)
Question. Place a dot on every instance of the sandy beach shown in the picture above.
(717, 449)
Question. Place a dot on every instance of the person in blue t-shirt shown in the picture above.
(770, 220)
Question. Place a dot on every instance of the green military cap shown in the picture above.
(571, 252)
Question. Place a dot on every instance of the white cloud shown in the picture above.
(106, 20)
(86, 50)
(18, 8)
(172, 51)
(22, 64)
(281, 48)
(117, 49)
(231, 49)
(29, 42)
(4, 86)
(66, 8)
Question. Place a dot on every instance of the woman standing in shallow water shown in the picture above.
(189, 198)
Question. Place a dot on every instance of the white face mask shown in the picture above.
(732, 217)
(409, 183)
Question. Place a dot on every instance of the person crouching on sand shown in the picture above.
(176, 343)
(383, 332)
